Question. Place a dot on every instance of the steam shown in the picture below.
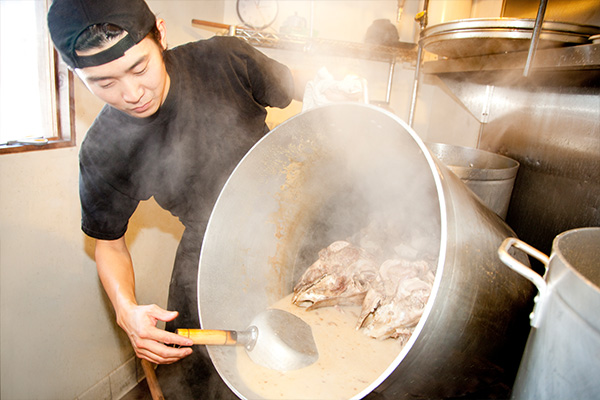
(373, 187)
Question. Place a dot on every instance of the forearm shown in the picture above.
(115, 270)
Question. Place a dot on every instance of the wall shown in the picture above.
(554, 133)
(58, 335)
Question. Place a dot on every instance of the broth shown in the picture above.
(348, 360)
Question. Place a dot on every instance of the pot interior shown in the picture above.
(580, 249)
(574, 273)
(341, 172)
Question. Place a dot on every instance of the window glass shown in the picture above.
(31, 103)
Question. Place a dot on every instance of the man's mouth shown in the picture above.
(143, 107)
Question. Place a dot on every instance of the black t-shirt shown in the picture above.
(182, 155)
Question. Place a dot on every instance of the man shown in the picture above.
(175, 124)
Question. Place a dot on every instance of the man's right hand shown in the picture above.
(115, 270)
(148, 341)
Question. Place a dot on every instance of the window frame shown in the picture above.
(63, 92)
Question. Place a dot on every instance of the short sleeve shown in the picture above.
(105, 211)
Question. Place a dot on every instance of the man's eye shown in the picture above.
(106, 85)
(141, 72)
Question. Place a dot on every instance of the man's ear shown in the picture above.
(162, 28)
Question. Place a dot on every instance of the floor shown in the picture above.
(139, 392)
(142, 392)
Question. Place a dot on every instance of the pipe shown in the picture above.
(535, 36)
(422, 18)
(413, 101)
(388, 94)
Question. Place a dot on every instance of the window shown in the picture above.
(36, 99)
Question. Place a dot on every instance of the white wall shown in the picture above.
(58, 335)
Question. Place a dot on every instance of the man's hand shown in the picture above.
(149, 342)
(115, 270)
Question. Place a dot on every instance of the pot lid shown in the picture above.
(483, 36)
(510, 23)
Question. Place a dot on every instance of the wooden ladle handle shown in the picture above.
(152, 381)
(210, 336)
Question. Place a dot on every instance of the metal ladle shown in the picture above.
(275, 339)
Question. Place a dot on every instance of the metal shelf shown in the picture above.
(328, 47)
(405, 52)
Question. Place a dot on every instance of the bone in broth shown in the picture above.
(348, 360)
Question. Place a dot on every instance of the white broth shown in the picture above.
(348, 360)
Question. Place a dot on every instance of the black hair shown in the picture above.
(99, 35)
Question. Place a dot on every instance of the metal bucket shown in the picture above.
(562, 357)
(489, 175)
(321, 176)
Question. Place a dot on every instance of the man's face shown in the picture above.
(136, 83)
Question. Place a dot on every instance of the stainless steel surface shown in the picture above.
(561, 356)
(555, 136)
(490, 176)
(323, 175)
(549, 122)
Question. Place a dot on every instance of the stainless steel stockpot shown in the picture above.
(489, 175)
(562, 357)
(325, 174)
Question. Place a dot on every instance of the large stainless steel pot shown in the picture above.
(322, 176)
(562, 357)
(489, 175)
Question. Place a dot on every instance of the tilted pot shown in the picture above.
(562, 356)
(320, 177)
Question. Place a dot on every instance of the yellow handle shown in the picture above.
(210, 336)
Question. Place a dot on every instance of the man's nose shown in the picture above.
(132, 91)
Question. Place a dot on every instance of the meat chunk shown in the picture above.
(396, 299)
(392, 294)
(341, 276)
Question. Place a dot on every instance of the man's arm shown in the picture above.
(115, 270)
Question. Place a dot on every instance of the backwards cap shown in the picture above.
(67, 19)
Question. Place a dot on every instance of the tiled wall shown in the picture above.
(117, 383)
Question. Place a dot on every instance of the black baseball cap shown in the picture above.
(67, 19)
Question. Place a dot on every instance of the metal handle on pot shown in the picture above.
(527, 272)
